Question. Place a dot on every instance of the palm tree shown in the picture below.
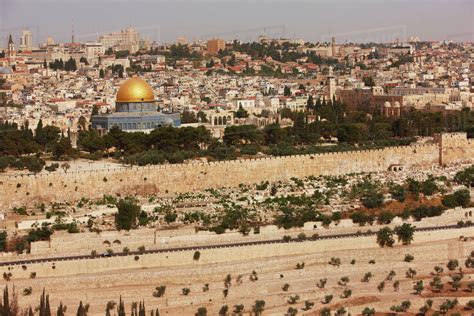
(405, 233)
(385, 237)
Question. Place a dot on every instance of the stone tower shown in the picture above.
(331, 83)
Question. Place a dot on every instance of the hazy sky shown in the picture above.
(313, 20)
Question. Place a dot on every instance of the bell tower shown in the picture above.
(11, 45)
(11, 48)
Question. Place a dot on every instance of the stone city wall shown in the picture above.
(72, 186)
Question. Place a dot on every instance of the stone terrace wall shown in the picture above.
(63, 243)
(71, 187)
(210, 256)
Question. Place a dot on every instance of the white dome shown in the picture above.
(397, 104)
(387, 104)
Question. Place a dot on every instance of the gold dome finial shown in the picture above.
(135, 90)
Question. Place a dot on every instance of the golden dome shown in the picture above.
(135, 90)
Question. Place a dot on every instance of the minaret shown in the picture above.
(72, 33)
(331, 83)
(333, 47)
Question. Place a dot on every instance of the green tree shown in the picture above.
(95, 110)
(418, 287)
(258, 307)
(44, 308)
(465, 177)
(62, 148)
(121, 307)
(369, 81)
(405, 233)
(202, 311)
(70, 65)
(385, 237)
(3, 240)
(241, 112)
(61, 310)
(127, 214)
(91, 141)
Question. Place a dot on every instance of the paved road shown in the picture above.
(203, 247)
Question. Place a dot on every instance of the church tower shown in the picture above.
(11, 46)
(11, 51)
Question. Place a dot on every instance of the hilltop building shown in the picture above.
(127, 39)
(135, 110)
(26, 40)
(215, 45)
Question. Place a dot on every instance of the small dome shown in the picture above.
(396, 104)
(6, 71)
(387, 104)
(135, 90)
(168, 121)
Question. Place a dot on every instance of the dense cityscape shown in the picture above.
(218, 176)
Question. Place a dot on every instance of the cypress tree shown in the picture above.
(61, 309)
(42, 308)
(141, 311)
(121, 308)
(81, 310)
(47, 307)
(6, 303)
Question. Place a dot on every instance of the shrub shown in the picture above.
(27, 291)
(159, 291)
(361, 218)
(458, 198)
(408, 258)
(372, 199)
(301, 236)
(185, 290)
